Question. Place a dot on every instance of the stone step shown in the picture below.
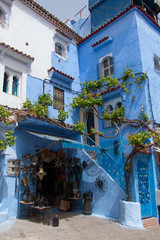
(150, 222)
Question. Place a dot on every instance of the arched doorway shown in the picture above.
(91, 121)
(90, 125)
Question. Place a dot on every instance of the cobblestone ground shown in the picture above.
(77, 227)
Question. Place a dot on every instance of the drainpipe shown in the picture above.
(45, 80)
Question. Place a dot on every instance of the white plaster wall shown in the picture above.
(112, 102)
(15, 68)
(130, 214)
(27, 26)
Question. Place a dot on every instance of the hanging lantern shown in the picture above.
(41, 173)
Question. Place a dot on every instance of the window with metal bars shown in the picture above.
(58, 98)
(59, 49)
(109, 109)
(2, 17)
(157, 63)
(107, 66)
(108, 123)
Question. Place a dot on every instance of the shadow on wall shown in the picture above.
(106, 192)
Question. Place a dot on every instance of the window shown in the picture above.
(107, 66)
(118, 105)
(11, 82)
(1, 17)
(157, 63)
(110, 106)
(61, 43)
(109, 110)
(13, 76)
(58, 98)
(14, 86)
(116, 146)
(59, 49)
(5, 83)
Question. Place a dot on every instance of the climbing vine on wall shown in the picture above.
(90, 98)
(40, 107)
(9, 135)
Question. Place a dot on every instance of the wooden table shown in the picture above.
(41, 209)
(76, 199)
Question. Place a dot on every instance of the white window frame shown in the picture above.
(108, 109)
(5, 6)
(62, 53)
(63, 41)
(114, 103)
(110, 68)
(12, 73)
(15, 65)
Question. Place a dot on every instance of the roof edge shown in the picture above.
(118, 16)
(52, 19)
(16, 51)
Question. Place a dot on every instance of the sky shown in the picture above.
(65, 9)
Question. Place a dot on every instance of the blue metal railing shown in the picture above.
(110, 165)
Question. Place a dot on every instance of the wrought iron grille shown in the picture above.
(58, 98)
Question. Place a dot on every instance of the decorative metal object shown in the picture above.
(35, 159)
(25, 181)
(84, 164)
(101, 184)
(41, 173)
(58, 163)
(75, 191)
(26, 195)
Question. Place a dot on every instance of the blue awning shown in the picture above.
(68, 143)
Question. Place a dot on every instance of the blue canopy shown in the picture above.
(68, 143)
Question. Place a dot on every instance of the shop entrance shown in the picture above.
(48, 189)
(61, 181)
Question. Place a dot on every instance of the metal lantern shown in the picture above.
(41, 173)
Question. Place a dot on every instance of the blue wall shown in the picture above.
(133, 42)
(149, 36)
(124, 47)
(8, 200)
(71, 88)
(105, 10)
(106, 202)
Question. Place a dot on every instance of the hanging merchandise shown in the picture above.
(59, 162)
(41, 173)
(25, 181)
(61, 155)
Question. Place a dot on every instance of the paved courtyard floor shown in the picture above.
(77, 227)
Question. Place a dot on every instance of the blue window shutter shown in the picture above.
(14, 86)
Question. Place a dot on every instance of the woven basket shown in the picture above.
(64, 205)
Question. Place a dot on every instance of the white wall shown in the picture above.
(26, 26)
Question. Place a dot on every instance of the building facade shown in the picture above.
(40, 54)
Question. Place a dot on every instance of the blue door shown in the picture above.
(144, 187)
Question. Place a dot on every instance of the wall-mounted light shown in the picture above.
(142, 109)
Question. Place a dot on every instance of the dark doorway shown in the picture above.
(90, 125)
